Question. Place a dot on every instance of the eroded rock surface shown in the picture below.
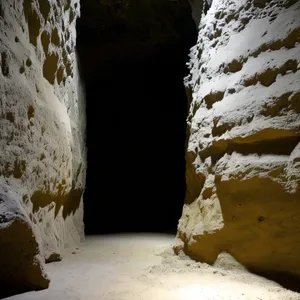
(21, 262)
(42, 123)
(243, 152)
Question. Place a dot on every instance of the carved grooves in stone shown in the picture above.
(50, 67)
(55, 39)
(195, 181)
(260, 3)
(289, 3)
(60, 75)
(72, 16)
(67, 5)
(267, 141)
(220, 130)
(17, 169)
(45, 39)
(196, 106)
(268, 77)
(69, 200)
(30, 112)
(212, 98)
(289, 42)
(33, 21)
(189, 97)
(4, 64)
(231, 17)
(217, 33)
(286, 102)
(67, 63)
(233, 66)
(45, 8)
(10, 117)
(1, 11)
(207, 193)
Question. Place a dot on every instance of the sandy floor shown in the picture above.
(142, 267)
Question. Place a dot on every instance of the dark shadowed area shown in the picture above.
(136, 112)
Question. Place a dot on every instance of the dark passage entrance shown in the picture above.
(136, 112)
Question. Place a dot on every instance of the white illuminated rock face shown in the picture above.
(243, 157)
(42, 124)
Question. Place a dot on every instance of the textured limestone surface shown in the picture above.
(21, 263)
(42, 124)
(243, 150)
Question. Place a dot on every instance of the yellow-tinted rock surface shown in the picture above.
(42, 124)
(244, 140)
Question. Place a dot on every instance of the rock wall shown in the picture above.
(42, 126)
(243, 150)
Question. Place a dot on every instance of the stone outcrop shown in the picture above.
(21, 263)
(42, 124)
(243, 150)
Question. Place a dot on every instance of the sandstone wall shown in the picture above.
(243, 152)
(42, 124)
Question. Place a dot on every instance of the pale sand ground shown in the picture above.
(142, 267)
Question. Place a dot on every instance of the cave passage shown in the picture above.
(136, 114)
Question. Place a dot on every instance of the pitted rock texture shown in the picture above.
(243, 151)
(21, 263)
(42, 119)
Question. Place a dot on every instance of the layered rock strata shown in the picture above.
(243, 149)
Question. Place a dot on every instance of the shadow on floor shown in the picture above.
(286, 280)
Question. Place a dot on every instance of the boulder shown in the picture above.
(21, 262)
